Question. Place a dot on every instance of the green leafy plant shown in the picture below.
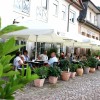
(85, 63)
(73, 67)
(11, 28)
(14, 80)
(42, 72)
(64, 64)
(78, 65)
(92, 62)
(98, 63)
(0, 22)
(54, 71)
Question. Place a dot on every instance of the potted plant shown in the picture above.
(79, 70)
(54, 73)
(86, 66)
(98, 65)
(73, 70)
(42, 72)
(65, 67)
(92, 63)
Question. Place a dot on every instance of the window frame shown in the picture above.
(72, 20)
(20, 9)
(45, 7)
(63, 12)
(56, 4)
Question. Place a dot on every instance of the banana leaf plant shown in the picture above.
(14, 80)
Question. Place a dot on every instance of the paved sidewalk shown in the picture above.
(86, 87)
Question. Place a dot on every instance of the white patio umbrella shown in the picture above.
(76, 40)
(35, 32)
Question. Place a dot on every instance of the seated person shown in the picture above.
(52, 59)
(44, 56)
(62, 55)
(25, 54)
(18, 62)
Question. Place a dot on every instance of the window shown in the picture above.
(94, 19)
(88, 35)
(44, 4)
(63, 12)
(93, 37)
(90, 16)
(83, 33)
(55, 8)
(22, 6)
(97, 38)
(72, 16)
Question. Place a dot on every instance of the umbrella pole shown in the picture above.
(36, 47)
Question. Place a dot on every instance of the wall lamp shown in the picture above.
(15, 20)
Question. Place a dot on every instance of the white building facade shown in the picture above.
(53, 12)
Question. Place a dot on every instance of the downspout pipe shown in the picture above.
(68, 15)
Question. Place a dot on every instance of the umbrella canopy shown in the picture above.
(76, 39)
(44, 32)
(35, 32)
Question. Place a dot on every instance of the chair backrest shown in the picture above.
(55, 64)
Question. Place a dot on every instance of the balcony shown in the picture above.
(41, 14)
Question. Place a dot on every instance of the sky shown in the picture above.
(96, 2)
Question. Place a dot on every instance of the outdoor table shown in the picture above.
(41, 63)
(75, 61)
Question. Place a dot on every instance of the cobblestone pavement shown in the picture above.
(86, 87)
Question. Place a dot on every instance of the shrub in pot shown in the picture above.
(73, 70)
(86, 66)
(42, 72)
(79, 70)
(92, 63)
(64, 65)
(98, 65)
(54, 73)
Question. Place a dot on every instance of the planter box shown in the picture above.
(39, 82)
(65, 75)
(86, 70)
(53, 79)
(79, 71)
(72, 75)
(92, 70)
(98, 67)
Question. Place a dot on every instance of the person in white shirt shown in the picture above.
(18, 62)
(52, 59)
(44, 56)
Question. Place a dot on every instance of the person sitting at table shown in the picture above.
(52, 59)
(18, 62)
(44, 56)
(62, 55)
(25, 54)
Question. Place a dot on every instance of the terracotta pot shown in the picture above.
(92, 70)
(65, 75)
(53, 79)
(86, 70)
(98, 67)
(39, 82)
(79, 71)
(72, 75)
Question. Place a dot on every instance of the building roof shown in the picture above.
(92, 5)
(90, 25)
(83, 13)
(76, 3)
